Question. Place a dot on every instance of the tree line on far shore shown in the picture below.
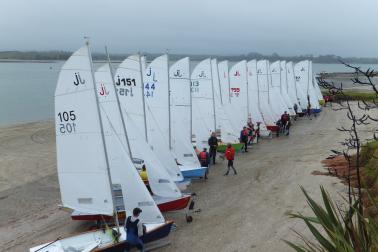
(64, 55)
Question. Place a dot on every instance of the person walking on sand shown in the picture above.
(251, 131)
(134, 230)
(230, 155)
(244, 138)
(296, 111)
(204, 159)
(213, 143)
(285, 120)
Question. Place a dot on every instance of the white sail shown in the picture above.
(225, 130)
(238, 92)
(179, 75)
(123, 172)
(315, 85)
(293, 92)
(263, 81)
(317, 89)
(81, 162)
(284, 88)
(224, 82)
(303, 78)
(130, 93)
(158, 115)
(254, 103)
(311, 88)
(202, 103)
(277, 100)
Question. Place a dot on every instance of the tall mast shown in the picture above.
(267, 78)
(102, 134)
(229, 85)
(219, 85)
(119, 104)
(295, 81)
(287, 83)
(247, 84)
(258, 87)
(308, 77)
(169, 106)
(212, 88)
(143, 98)
(279, 65)
(191, 103)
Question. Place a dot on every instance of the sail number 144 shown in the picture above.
(67, 122)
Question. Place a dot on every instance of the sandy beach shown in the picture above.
(247, 212)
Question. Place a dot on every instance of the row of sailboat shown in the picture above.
(110, 123)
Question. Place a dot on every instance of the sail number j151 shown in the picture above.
(67, 122)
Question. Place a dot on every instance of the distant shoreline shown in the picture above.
(47, 61)
(194, 59)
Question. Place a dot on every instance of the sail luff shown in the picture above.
(102, 134)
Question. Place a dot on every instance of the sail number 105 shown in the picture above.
(67, 122)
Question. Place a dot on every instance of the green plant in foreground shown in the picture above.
(336, 230)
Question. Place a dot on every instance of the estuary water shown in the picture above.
(27, 89)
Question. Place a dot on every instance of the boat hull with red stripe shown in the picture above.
(164, 204)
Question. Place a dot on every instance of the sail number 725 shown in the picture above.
(67, 122)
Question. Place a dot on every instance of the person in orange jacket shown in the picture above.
(204, 159)
(230, 155)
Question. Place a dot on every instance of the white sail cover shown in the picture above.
(82, 171)
(157, 113)
(239, 92)
(285, 88)
(226, 132)
(278, 102)
(130, 93)
(293, 92)
(254, 103)
(303, 78)
(263, 81)
(202, 103)
(179, 74)
(123, 172)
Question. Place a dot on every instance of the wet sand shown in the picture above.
(247, 212)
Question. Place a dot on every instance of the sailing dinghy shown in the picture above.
(202, 104)
(224, 128)
(303, 77)
(316, 88)
(295, 92)
(284, 88)
(279, 103)
(92, 179)
(265, 98)
(255, 111)
(238, 92)
(290, 84)
(181, 120)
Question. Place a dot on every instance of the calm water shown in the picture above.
(27, 89)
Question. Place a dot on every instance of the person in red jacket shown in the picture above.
(230, 155)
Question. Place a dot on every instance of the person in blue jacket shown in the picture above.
(134, 230)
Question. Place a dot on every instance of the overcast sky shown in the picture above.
(288, 27)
